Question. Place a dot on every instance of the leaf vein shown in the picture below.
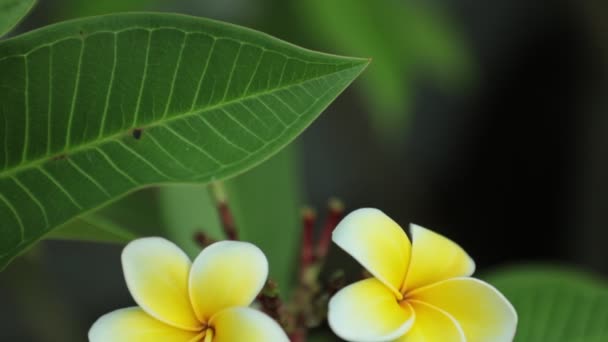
(177, 65)
(61, 188)
(144, 159)
(34, 198)
(74, 97)
(143, 81)
(106, 105)
(184, 139)
(88, 176)
(115, 167)
(203, 74)
(16, 214)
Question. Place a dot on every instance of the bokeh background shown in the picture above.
(483, 120)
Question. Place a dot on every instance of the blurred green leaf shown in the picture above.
(403, 38)
(187, 210)
(12, 12)
(30, 285)
(555, 303)
(95, 108)
(266, 206)
(72, 9)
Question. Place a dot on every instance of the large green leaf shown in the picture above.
(92, 227)
(94, 108)
(11, 13)
(555, 304)
(136, 215)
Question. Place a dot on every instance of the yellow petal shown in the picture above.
(135, 325)
(245, 324)
(226, 274)
(432, 325)
(156, 271)
(368, 311)
(377, 243)
(435, 258)
(483, 313)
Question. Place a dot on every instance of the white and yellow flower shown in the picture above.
(420, 291)
(206, 301)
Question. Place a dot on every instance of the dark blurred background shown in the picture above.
(483, 120)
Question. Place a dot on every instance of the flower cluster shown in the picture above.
(418, 292)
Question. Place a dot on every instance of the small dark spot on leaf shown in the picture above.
(137, 133)
(81, 32)
(60, 157)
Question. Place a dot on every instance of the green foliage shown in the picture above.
(266, 206)
(555, 304)
(12, 12)
(94, 108)
(71, 9)
(187, 211)
(92, 227)
(403, 38)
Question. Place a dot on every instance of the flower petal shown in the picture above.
(368, 311)
(245, 324)
(135, 325)
(156, 271)
(226, 274)
(377, 243)
(483, 313)
(432, 324)
(435, 258)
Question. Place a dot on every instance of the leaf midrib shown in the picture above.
(163, 121)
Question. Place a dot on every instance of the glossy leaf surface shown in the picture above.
(94, 108)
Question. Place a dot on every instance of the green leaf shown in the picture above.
(71, 9)
(186, 211)
(555, 303)
(92, 227)
(132, 216)
(94, 108)
(404, 38)
(266, 203)
(11, 13)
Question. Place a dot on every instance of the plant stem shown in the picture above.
(218, 193)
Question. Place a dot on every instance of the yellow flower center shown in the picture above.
(206, 334)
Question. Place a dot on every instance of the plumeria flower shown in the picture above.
(419, 291)
(206, 301)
